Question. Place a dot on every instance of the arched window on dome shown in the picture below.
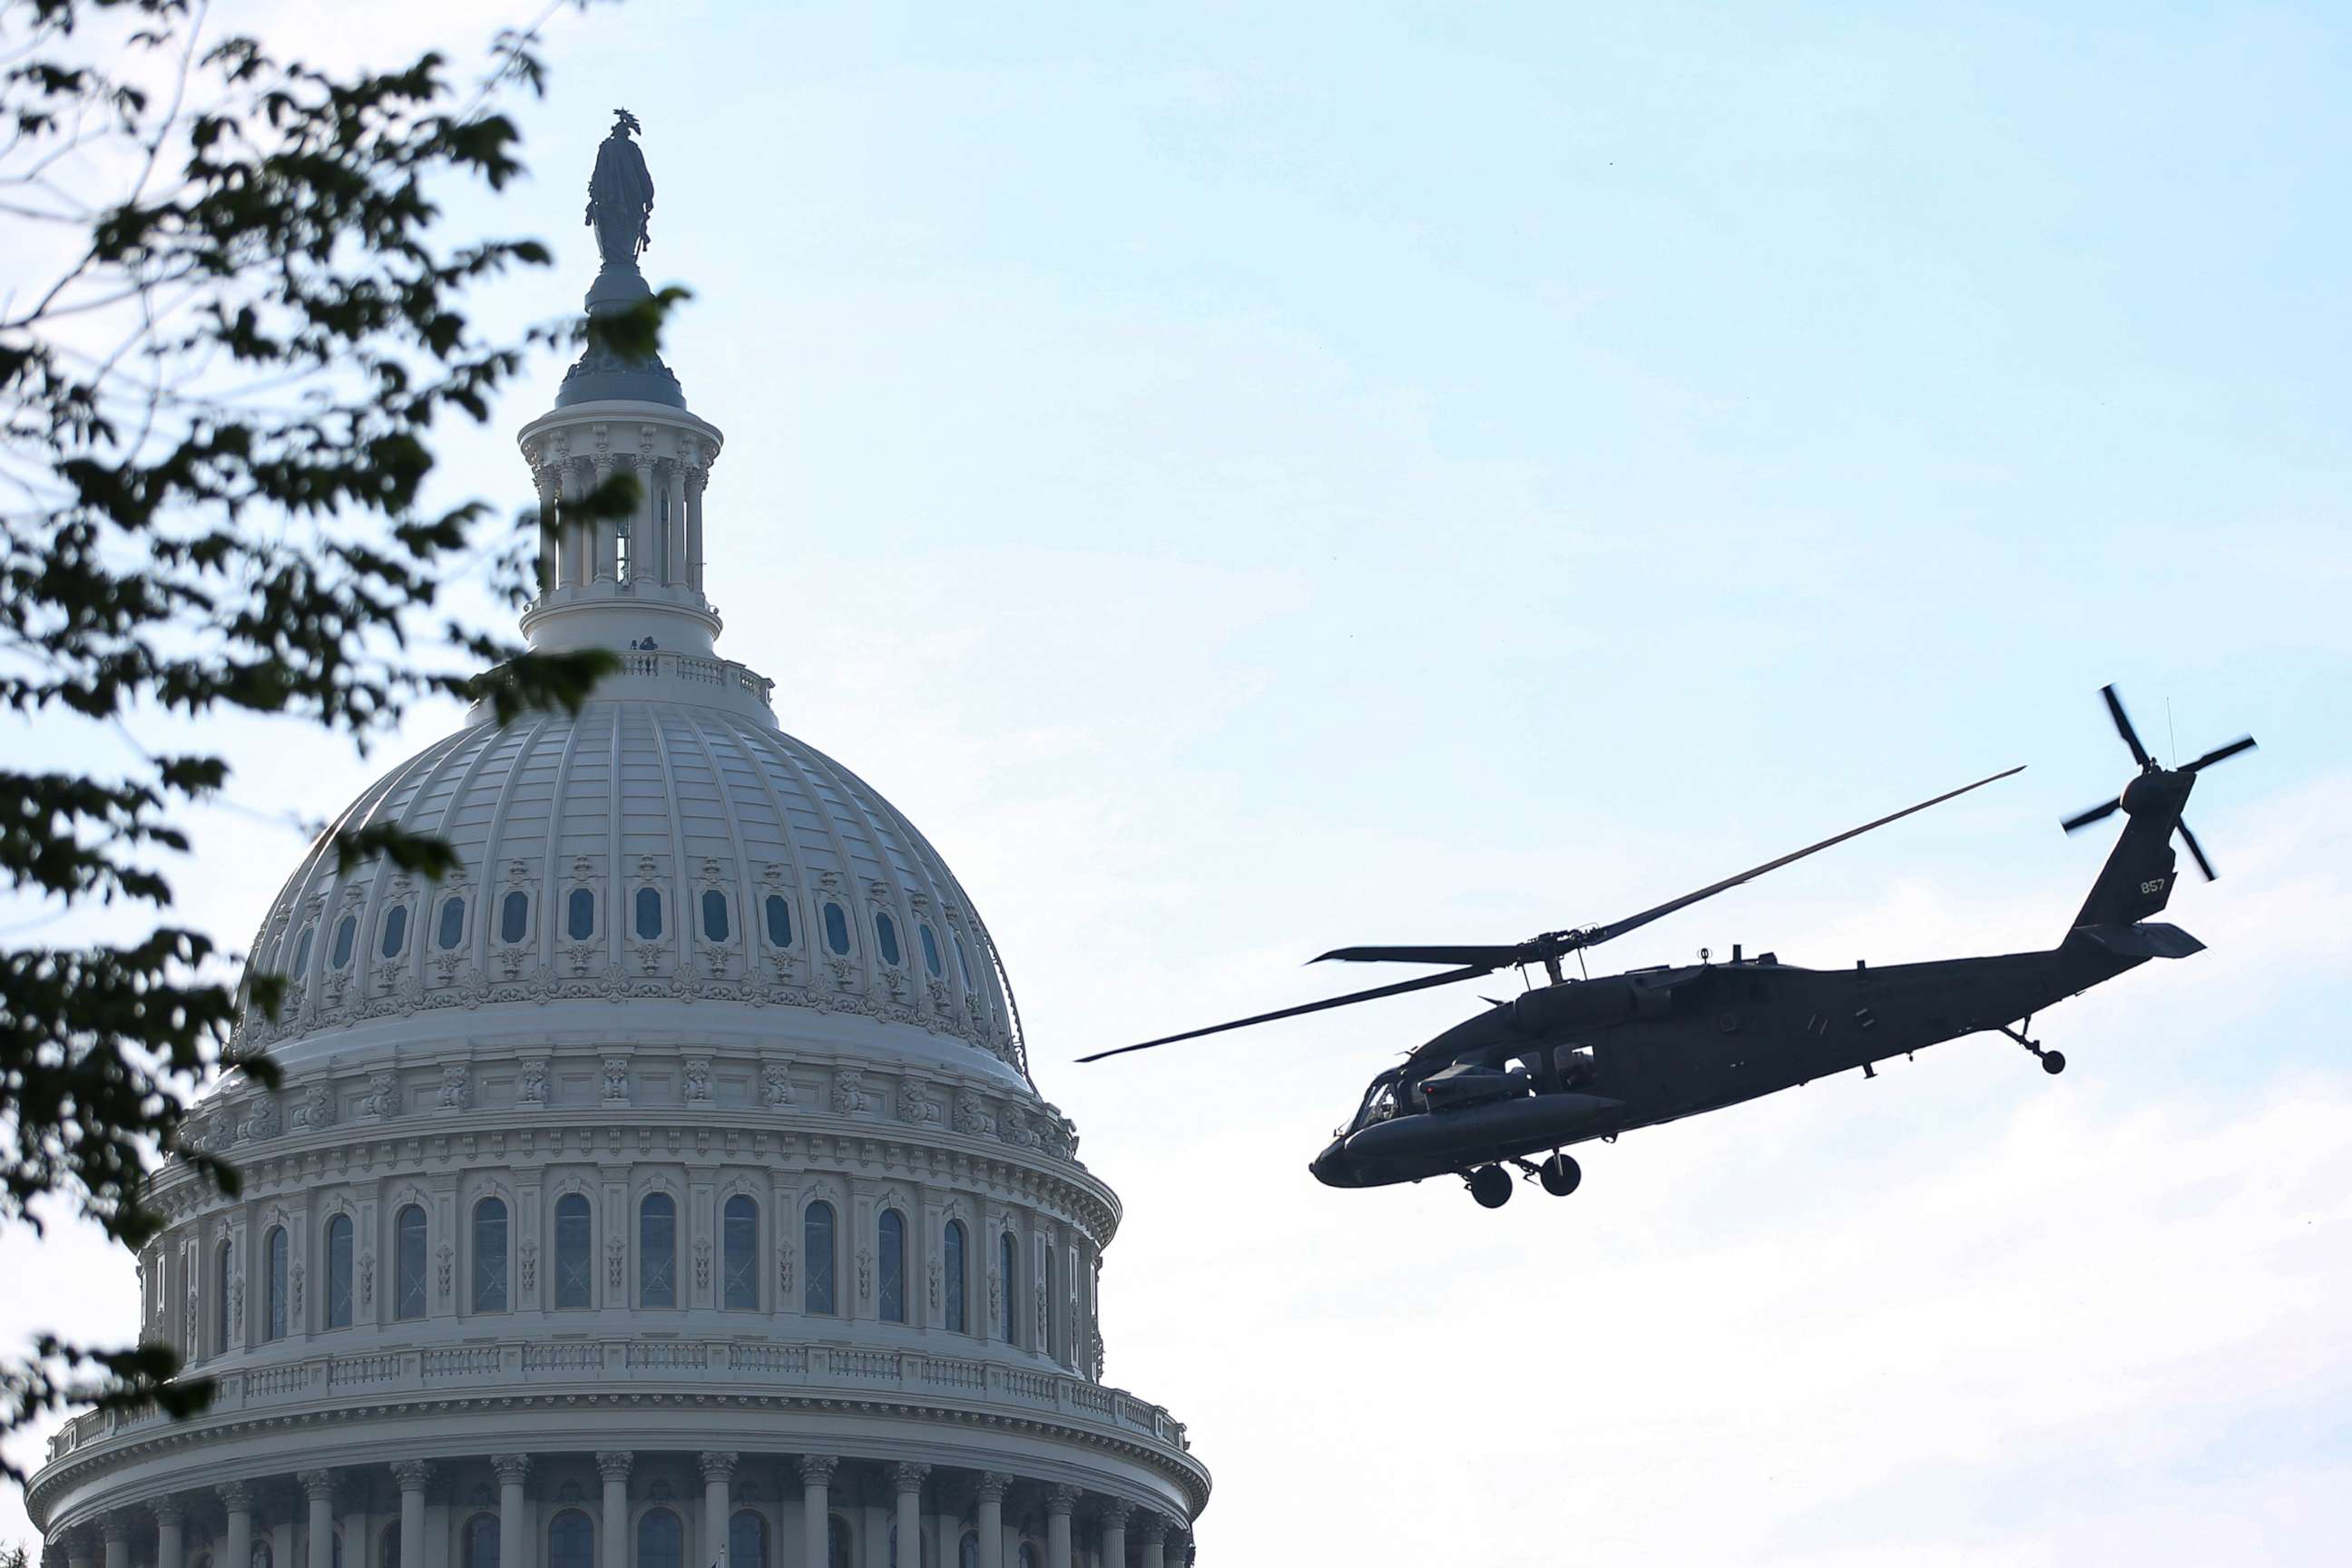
(408, 1264)
(514, 917)
(347, 930)
(260, 1554)
(968, 1549)
(953, 1265)
(779, 920)
(490, 1256)
(891, 1237)
(580, 914)
(931, 949)
(223, 1264)
(387, 1546)
(301, 964)
(739, 1272)
(574, 1252)
(747, 1540)
(886, 939)
(837, 929)
(840, 1550)
(1008, 1260)
(480, 1541)
(714, 915)
(273, 1251)
(1028, 1555)
(817, 1238)
(453, 922)
(571, 1540)
(661, 1540)
(658, 1251)
(335, 1550)
(649, 914)
(339, 1272)
(395, 932)
(963, 960)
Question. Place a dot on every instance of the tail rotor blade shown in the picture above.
(2196, 851)
(2123, 725)
(2243, 743)
(2085, 818)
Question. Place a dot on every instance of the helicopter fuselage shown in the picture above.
(1577, 1060)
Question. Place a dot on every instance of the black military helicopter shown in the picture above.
(1582, 1058)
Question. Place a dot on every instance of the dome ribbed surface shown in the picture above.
(660, 849)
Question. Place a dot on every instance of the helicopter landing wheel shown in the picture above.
(1491, 1185)
(1559, 1175)
(2054, 1062)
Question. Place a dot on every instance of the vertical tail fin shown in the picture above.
(2136, 880)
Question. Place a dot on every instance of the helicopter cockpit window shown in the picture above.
(1379, 1104)
(1575, 1065)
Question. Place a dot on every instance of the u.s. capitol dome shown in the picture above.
(666, 1187)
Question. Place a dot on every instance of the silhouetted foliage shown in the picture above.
(219, 414)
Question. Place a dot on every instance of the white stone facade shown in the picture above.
(666, 1189)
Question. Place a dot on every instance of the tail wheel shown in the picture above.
(1491, 1185)
(1559, 1175)
(2054, 1062)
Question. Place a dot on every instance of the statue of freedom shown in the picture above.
(620, 195)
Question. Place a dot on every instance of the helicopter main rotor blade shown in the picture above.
(2123, 725)
(1421, 984)
(1491, 957)
(1598, 934)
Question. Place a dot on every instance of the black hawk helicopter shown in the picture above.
(1582, 1058)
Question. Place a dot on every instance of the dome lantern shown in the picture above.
(634, 582)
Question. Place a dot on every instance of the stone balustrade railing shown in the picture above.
(649, 1365)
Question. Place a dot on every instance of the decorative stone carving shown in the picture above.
(935, 1284)
(234, 1495)
(294, 1291)
(613, 1465)
(447, 1260)
(906, 1478)
(579, 955)
(263, 1122)
(457, 1088)
(510, 1469)
(367, 1280)
(318, 1106)
(718, 1467)
(816, 1469)
(991, 1485)
(412, 1475)
(995, 1296)
(849, 1092)
(616, 1260)
(616, 1081)
(318, 1486)
(697, 1080)
(527, 1255)
(914, 1105)
(383, 1098)
(1014, 1128)
(776, 1084)
(784, 1268)
(1061, 1500)
(530, 1088)
(971, 1117)
(864, 1274)
(702, 1263)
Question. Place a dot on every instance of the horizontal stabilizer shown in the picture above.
(2147, 940)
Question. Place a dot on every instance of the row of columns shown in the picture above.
(578, 554)
(515, 1541)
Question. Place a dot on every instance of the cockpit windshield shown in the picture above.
(1380, 1103)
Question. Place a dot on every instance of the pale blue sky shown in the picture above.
(1245, 480)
